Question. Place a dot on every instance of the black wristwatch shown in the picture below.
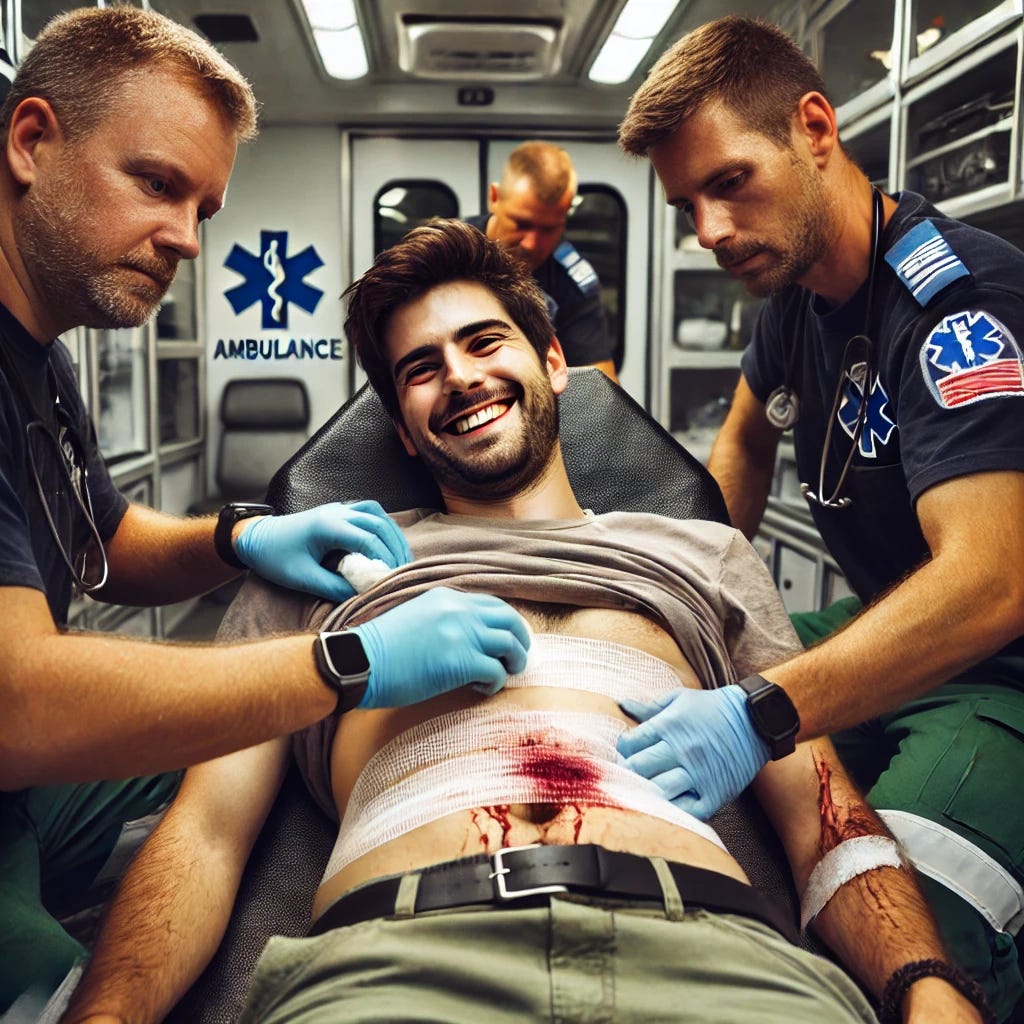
(772, 713)
(230, 514)
(343, 665)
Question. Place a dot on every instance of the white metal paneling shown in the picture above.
(274, 272)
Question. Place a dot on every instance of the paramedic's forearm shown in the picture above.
(156, 559)
(962, 606)
(743, 459)
(80, 707)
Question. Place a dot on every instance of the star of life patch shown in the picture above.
(876, 423)
(582, 273)
(970, 356)
(924, 262)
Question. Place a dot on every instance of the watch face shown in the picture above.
(345, 654)
(773, 713)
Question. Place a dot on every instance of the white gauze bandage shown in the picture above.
(844, 862)
(596, 666)
(497, 754)
(362, 572)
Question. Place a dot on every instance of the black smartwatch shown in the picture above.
(772, 713)
(343, 665)
(230, 514)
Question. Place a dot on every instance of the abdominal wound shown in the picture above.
(493, 755)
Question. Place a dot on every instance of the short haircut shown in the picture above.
(81, 59)
(547, 168)
(749, 65)
(434, 254)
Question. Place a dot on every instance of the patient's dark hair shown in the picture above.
(437, 253)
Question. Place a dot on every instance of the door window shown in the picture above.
(597, 227)
(403, 205)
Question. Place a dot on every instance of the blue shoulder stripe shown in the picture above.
(582, 273)
(924, 262)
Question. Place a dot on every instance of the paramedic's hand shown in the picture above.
(439, 641)
(289, 549)
(698, 746)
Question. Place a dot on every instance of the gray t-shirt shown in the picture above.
(701, 581)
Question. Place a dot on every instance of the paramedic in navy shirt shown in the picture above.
(528, 212)
(891, 345)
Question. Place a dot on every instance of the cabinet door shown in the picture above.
(961, 144)
(707, 320)
(400, 183)
(856, 53)
(797, 579)
(937, 31)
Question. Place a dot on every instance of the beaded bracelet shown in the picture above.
(891, 1009)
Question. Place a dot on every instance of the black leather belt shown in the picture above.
(532, 873)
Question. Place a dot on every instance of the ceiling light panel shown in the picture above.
(636, 28)
(337, 36)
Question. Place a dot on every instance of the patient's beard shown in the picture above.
(513, 463)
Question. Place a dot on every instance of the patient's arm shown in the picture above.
(173, 906)
(878, 921)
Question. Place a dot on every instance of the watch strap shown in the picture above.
(753, 684)
(234, 512)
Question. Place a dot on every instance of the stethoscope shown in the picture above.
(783, 406)
(71, 456)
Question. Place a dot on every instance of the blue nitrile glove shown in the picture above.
(439, 641)
(289, 549)
(698, 746)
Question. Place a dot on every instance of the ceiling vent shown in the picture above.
(501, 49)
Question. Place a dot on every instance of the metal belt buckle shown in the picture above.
(500, 871)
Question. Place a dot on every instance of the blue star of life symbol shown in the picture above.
(273, 279)
(963, 341)
(878, 424)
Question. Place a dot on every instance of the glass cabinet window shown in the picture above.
(699, 399)
(597, 227)
(855, 48)
(176, 318)
(178, 400)
(959, 135)
(403, 205)
(936, 19)
(123, 420)
(711, 311)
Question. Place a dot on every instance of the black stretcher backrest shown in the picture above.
(617, 458)
(616, 455)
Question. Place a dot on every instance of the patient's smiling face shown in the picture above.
(476, 404)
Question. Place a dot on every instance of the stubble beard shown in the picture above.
(810, 227)
(78, 285)
(508, 465)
